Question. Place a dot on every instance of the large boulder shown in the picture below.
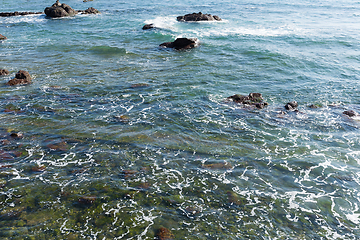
(254, 99)
(21, 78)
(194, 17)
(4, 72)
(181, 43)
(2, 37)
(59, 10)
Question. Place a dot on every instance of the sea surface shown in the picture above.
(117, 138)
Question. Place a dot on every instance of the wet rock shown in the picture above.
(291, 106)
(17, 135)
(254, 99)
(87, 200)
(3, 72)
(129, 173)
(314, 106)
(181, 43)
(223, 165)
(351, 113)
(233, 198)
(61, 146)
(148, 26)
(38, 168)
(22, 77)
(59, 10)
(2, 37)
(193, 17)
(90, 10)
(164, 234)
(12, 14)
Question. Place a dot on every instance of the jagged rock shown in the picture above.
(4, 72)
(350, 113)
(59, 10)
(254, 99)
(21, 78)
(90, 10)
(291, 106)
(181, 43)
(148, 26)
(198, 17)
(2, 37)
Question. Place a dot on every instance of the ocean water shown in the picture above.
(120, 139)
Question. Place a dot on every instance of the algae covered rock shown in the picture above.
(164, 234)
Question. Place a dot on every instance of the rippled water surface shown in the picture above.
(117, 138)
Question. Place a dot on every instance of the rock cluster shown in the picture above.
(254, 99)
(21, 78)
(194, 17)
(181, 43)
(90, 10)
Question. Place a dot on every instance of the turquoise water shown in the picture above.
(122, 138)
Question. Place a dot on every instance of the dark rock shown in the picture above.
(148, 26)
(90, 10)
(291, 105)
(17, 135)
(87, 200)
(350, 113)
(164, 234)
(87, 0)
(193, 17)
(59, 10)
(2, 37)
(314, 106)
(254, 99)
(181, 43)
(4, 72)
(21, 78)
(11, 14)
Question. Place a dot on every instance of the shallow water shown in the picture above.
(121, 137)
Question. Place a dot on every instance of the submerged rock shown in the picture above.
(181, 43)
(164, 234)
(148, 26)
(12, 14)
(291, 106)
(3, 72)
(21, 78)
(59, 10)
(254, 99)
(194, 17)
(351, 113)
(87, 200)
(2, 37)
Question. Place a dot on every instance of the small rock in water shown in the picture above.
(233, 198)
(194, 17)
(3, 72)
(350, 113)
(181, 43)
(22, 77)
(164, 234)
(291, 106)
(2, 37)
(148, 26)
(254, 99)
(17, 135)
(90, 10)
(87, 200)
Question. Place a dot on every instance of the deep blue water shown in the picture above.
(121, 138)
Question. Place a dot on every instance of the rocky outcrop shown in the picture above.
(181, 43)
(21, 78)
(351, 113)
(194, 17)
(291, 106)
(12, 14)
(59, 10)
(2, 37)
(148, 26)
(90, 10)
(254, 99)
(4, 72)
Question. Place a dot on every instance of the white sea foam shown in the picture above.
(34, 18)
